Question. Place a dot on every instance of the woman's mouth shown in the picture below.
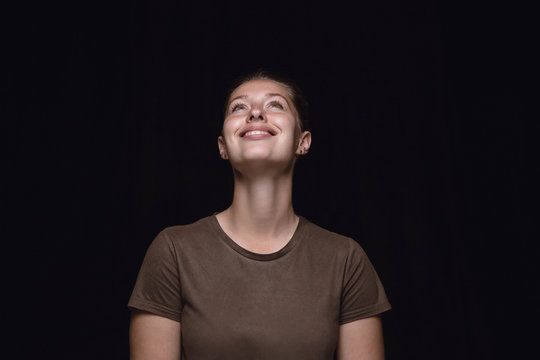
(257, 133)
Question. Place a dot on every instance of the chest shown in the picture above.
(286, 309)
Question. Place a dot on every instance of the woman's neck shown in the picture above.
(261, 216)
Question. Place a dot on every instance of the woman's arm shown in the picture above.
(152, 337)
(361, 340)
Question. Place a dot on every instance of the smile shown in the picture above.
(257, 132)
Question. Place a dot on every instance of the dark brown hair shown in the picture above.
(293, 90)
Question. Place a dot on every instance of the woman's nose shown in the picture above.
(256, 114)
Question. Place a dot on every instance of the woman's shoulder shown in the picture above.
(196, 225)
(330, 240)
(186, 232)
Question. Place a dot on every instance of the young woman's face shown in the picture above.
(260, 125)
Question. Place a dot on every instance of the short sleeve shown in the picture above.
(157, 288)
(363, 294)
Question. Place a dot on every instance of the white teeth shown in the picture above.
(256, 132)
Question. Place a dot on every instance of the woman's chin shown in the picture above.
(262, 162)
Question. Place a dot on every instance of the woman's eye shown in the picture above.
(237, 107)
(276, 104)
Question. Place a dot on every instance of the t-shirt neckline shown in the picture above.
(295, 239)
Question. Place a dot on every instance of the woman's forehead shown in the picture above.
(260, 86)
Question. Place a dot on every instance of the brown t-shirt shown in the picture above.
(236, 304)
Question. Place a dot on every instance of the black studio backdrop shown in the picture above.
(421, 152)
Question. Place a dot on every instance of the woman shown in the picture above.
(257, 281)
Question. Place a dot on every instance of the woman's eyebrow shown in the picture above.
(238, 97)
(266, 95)
(275, 94)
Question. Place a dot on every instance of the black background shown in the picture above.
(422, 152)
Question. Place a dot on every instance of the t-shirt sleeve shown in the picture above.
(157, 288)
(363, 294)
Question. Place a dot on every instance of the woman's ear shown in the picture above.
(304, 143)
(222, 148)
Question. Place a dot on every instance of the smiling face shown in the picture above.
(261, 126)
